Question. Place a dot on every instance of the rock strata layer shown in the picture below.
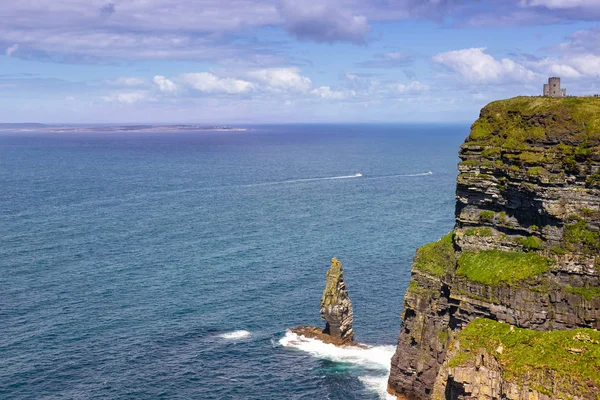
(525, 251)
(336, 310)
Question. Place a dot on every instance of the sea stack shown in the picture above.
(336, 310)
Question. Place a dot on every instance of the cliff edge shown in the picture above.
(507, 306)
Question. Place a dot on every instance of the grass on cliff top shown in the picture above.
(520, 122)
(567, 361)
(495, 267)
(436, 258)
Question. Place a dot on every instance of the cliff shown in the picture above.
(506, 305)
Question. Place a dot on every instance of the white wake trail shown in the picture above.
(402, 175)
(329, 178)
(323, 179)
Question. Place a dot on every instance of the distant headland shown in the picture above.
(36, 127)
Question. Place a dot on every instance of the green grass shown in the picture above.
(568, 360)
(528, 157)
(523, 122)
(443, 336)
(436, 258)
(537, 171)
(412, 285)
(494, 267)
(579, 237)
(593, 180)
(492, 152)
(531, 243)
(483, 232)
(333, 275)
(589, 293)
(486, 216)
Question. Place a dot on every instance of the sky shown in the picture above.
(278, 61)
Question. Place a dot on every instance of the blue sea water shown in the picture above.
(147, 265)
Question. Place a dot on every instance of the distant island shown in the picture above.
(36, 127)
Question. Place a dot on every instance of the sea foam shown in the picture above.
(374, 359)
(235, 335)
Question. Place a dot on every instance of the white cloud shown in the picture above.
(325, 92)
(165, 85)
(395, 55)
(11, 50)
(210, 83)
(569, 66)
(277, 84)
(279, 79)
(475, 66)
(558, 4)
(126, 81)
(414, 87)
(127, 97)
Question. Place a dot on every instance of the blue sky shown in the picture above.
(255, 61)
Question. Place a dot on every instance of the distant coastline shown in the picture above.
(36, 127)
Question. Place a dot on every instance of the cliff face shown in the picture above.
(525, 251)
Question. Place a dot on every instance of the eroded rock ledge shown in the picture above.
(525, 252)
(336, 310)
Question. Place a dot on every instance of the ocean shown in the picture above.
(169, 265)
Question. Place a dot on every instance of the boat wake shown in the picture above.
(374, 361)
(330, 178)
(402, 175)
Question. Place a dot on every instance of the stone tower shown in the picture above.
(553, 89)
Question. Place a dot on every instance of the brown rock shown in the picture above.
(336, 310)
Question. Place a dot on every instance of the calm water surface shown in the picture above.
(169, 265)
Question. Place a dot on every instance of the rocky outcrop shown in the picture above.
(483, 381)
(336, 310)
(492, 360)
(525, 249)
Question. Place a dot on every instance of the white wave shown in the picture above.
(377, 384)
(376, 359)
(235, 335)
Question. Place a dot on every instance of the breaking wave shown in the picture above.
(235, 335)
(375, 360)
